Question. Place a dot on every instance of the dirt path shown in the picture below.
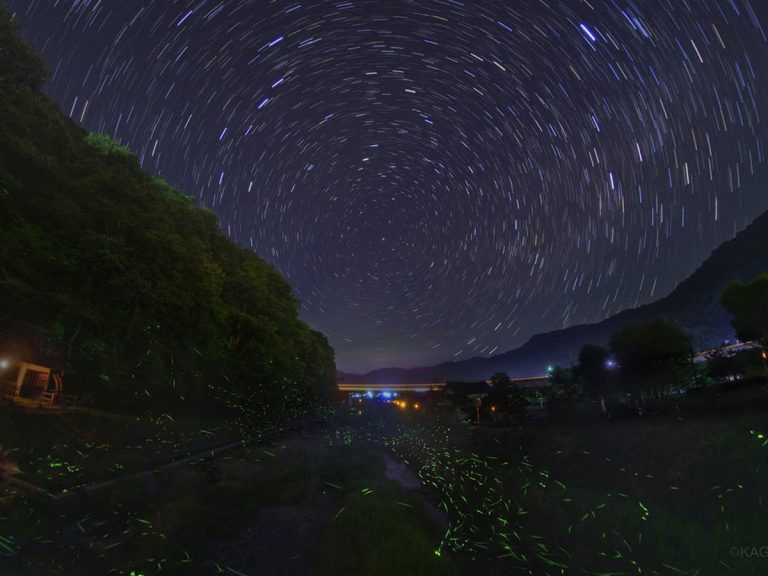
(287, 540)
(399, 472)
(281, 540)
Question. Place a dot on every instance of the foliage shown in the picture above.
(558, 400)
(380, 527)
(500, 380)
(166, 188)
(592, 368)
(751, 363)
(20, 65)
(700, 376)
(517, 401)
(106, 145)
(653, 357)
(748, 304)
(505, 396)
(722, 366)
(593, 373)
(564, 391)
(153, 305)
(561, 376)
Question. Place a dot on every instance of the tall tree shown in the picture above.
(501, 380)
(505, 396)
(748, 304)
(560, 376)
(653, 357)
(593, 369)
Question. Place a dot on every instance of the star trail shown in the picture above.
(437, 179)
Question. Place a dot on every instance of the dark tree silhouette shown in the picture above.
(653, 357)
(594, 372)
(505, 396)
(748, 304)
(501, 380)
(20, 65)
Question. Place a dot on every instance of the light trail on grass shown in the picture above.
(498, 509)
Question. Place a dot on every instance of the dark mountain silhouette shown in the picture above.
(694, 305)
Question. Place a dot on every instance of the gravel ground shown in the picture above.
(280, 542)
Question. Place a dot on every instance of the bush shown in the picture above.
(107, 146)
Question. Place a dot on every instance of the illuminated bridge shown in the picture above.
(362, 387)
(428, 386)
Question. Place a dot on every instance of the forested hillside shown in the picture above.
(151, 303)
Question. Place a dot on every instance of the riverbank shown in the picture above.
(303, 502)
(391, 492)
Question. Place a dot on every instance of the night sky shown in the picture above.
(437, 179)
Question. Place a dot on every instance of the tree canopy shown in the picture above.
(107, 145)
(149, 299)
(652, 356)
(20, 65)
(592, 369)
(500, 380)
(505, 396)
(748, 304)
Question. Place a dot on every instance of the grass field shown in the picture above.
(684, 492)
(57, 450)
(680, 493)
(676, 493)
(308, 504)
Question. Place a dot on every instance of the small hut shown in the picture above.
(30, 366)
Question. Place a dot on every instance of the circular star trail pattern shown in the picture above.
(437, 179)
